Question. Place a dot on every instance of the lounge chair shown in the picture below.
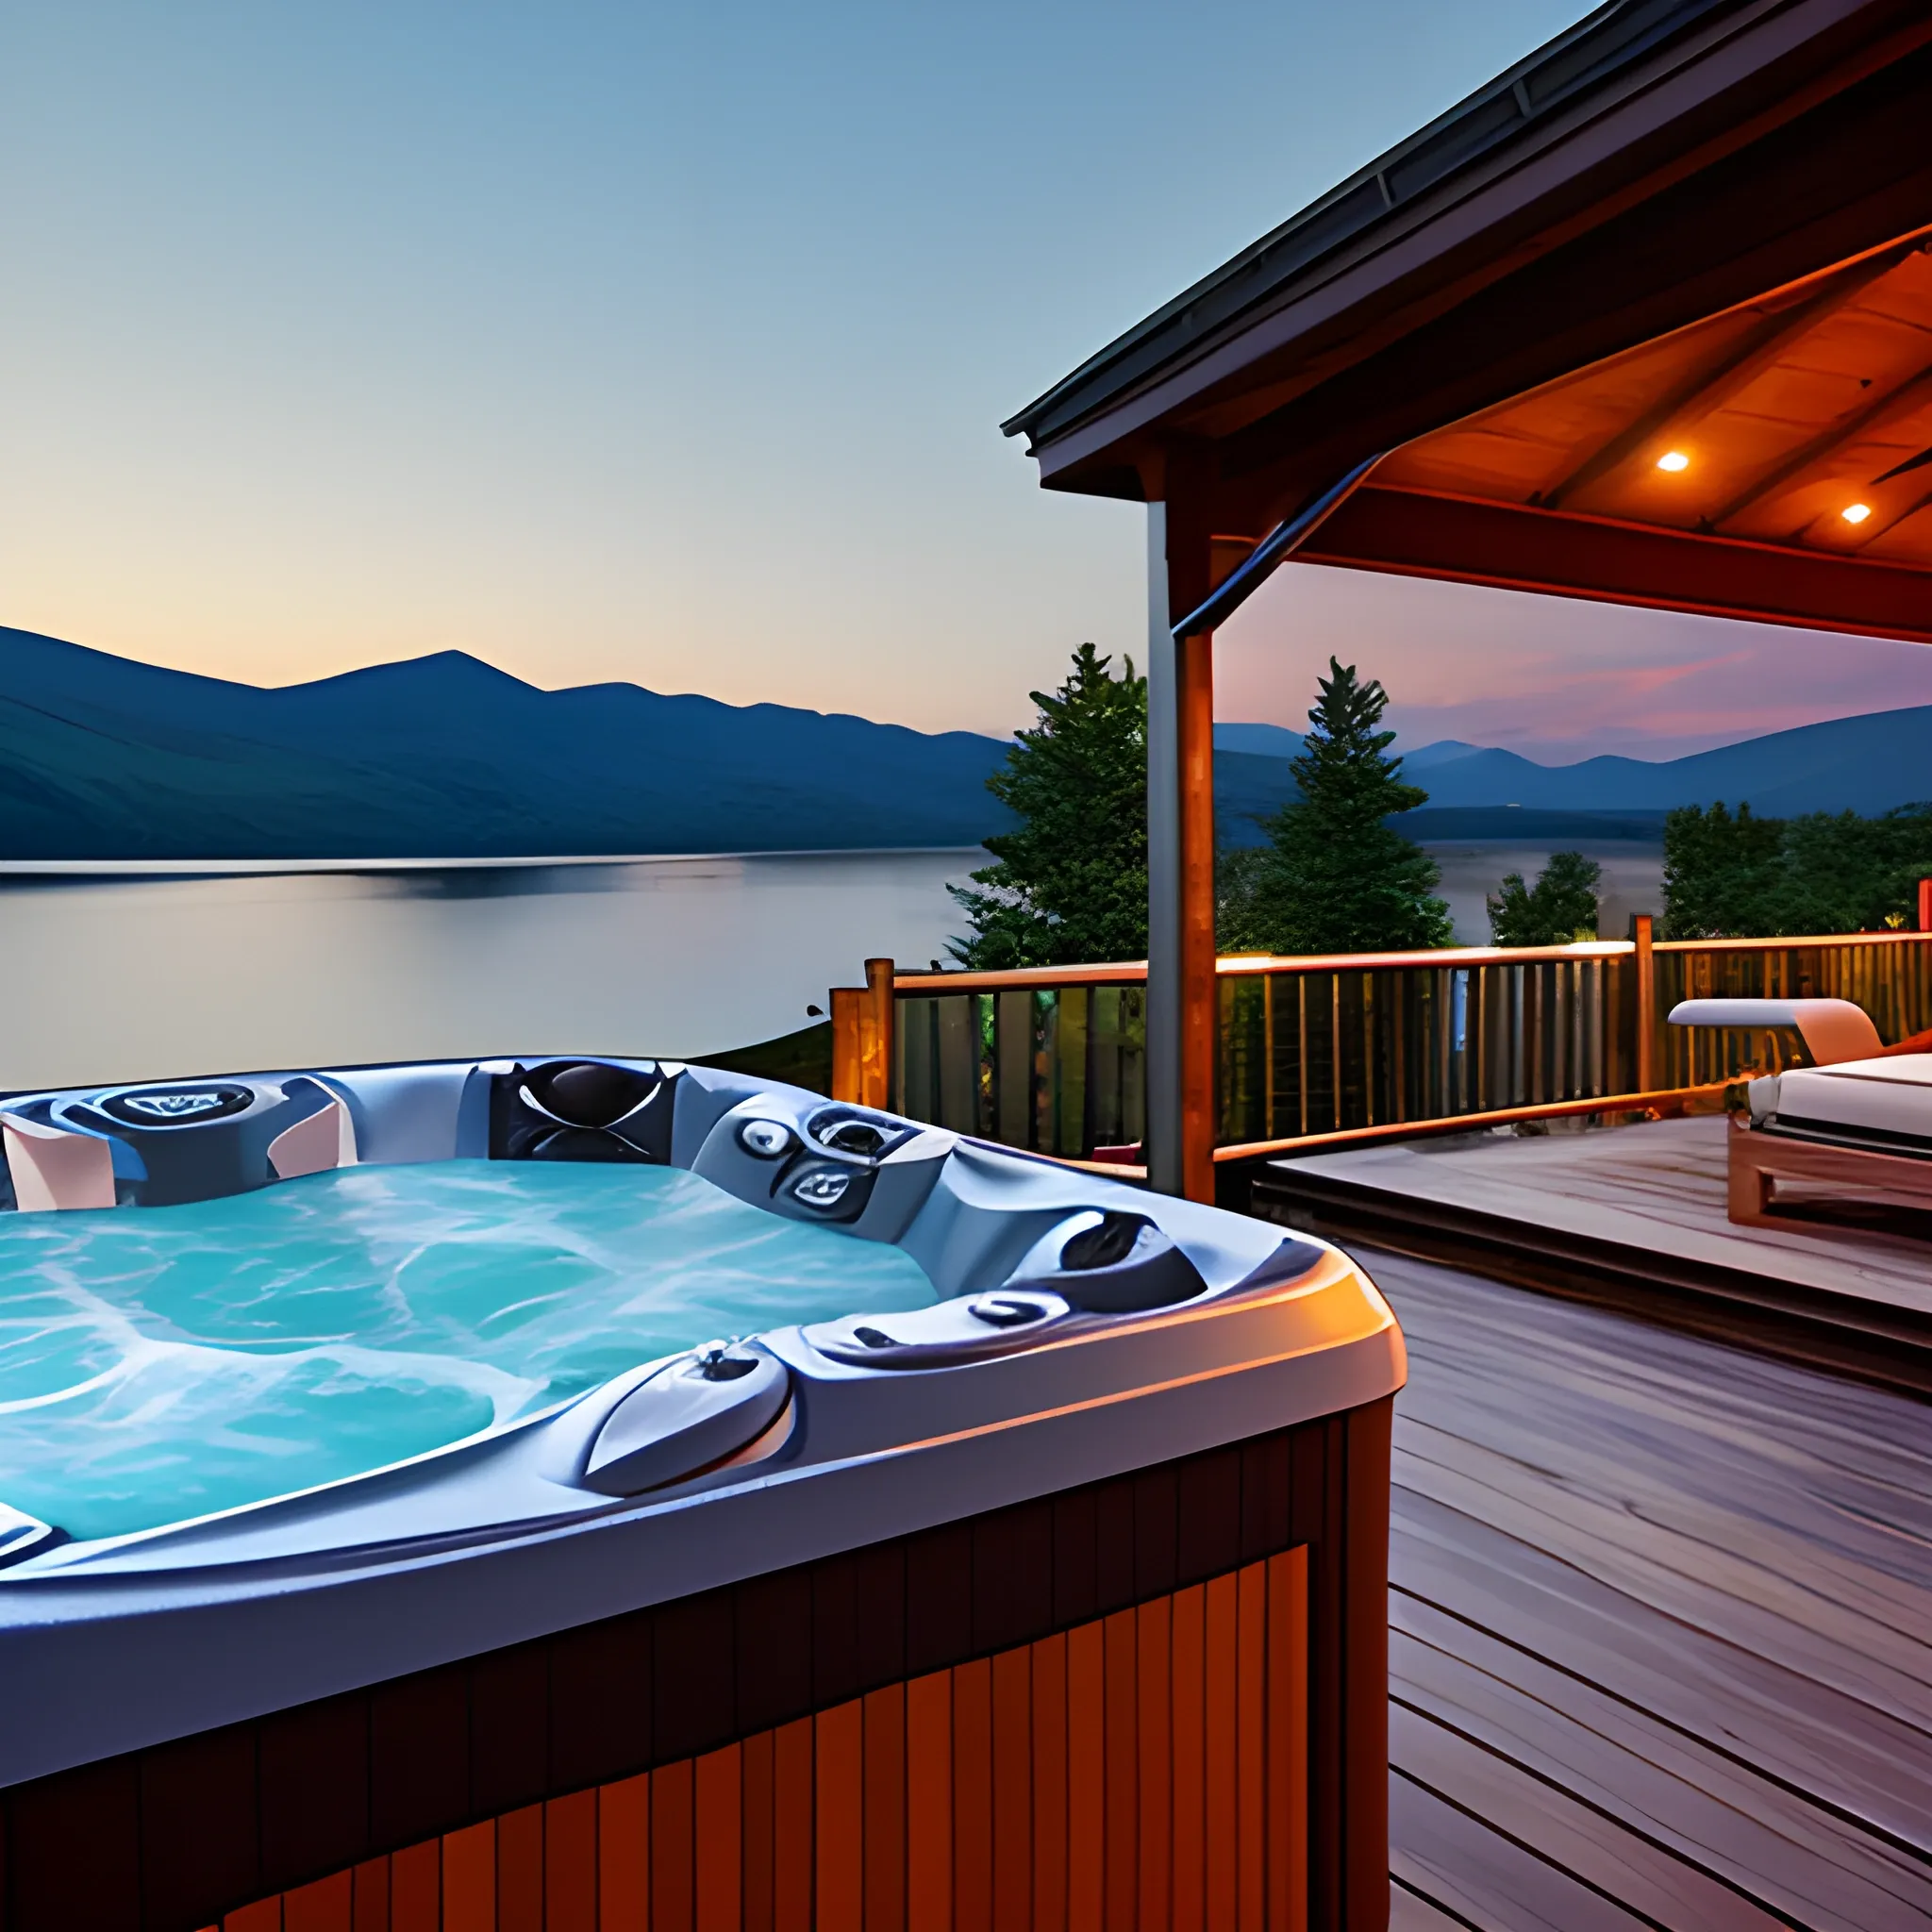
(1858, 1120)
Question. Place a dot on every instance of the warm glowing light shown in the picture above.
(1855, 513)
(1673, 460)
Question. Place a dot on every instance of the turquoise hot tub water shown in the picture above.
(160, 1363)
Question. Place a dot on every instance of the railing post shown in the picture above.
(875, 1037)
(1926, 905)
(1644, 964)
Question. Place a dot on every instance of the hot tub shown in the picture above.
(588, 1493)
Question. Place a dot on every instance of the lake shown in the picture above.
(125, 973)
(1472, 869)
(120, 973)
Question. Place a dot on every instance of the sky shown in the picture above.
(670, 344)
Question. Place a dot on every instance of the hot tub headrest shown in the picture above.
(582, 1110)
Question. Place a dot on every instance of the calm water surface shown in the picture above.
(1474, 868)
(141, 975)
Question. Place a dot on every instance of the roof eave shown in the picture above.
(1099, 396)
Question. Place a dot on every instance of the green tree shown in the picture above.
(1069, 885)
(1335, 877)
(1740, 876)
(1238, 873)
(1847, 874)
(1723, 875)
(1560, 907)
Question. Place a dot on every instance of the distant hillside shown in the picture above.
(1865, 764)
(1278, 742)
(443, 756)
(1263, 741)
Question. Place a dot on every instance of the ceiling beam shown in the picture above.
(1917, 462)
(1759, 349)
(1896, 403)
(1416, 533)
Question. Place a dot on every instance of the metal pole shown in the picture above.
(1165, 913)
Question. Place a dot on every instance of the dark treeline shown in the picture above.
(1336, 874)
(1734, 875)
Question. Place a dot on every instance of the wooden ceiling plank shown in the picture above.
(1896, 403)
(1708, 391)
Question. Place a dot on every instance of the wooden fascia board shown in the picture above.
(1390, 268)
(1419, 533)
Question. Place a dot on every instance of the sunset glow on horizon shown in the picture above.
(608, 343)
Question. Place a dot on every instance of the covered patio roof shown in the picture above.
(1774, 461)
(1647, 319)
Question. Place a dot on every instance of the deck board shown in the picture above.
(1659, 1186)
(1661, 1610)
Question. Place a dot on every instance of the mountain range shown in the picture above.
(444, 756)
(1866, 764)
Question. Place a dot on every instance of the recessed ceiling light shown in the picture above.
(1855, 513)
(1673, 459)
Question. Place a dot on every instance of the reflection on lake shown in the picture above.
(144, 974)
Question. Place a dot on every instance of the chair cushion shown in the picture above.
(1888, 1099)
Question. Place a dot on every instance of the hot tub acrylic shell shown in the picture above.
(1127, 1422)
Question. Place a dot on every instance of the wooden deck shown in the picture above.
(1661, 1627)
(1634, 1216)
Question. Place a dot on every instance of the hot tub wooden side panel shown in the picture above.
(1199, 1816)
(1131, 1652)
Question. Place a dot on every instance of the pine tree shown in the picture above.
(1562, 906)
(1335, 877)
(1069, 884)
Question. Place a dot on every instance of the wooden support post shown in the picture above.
(848, 1018)
(1182, 996)
(1645, 963)
(1200, 986)
(862, 1020)
(1926, 905)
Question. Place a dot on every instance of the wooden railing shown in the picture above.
(1351, 1046)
